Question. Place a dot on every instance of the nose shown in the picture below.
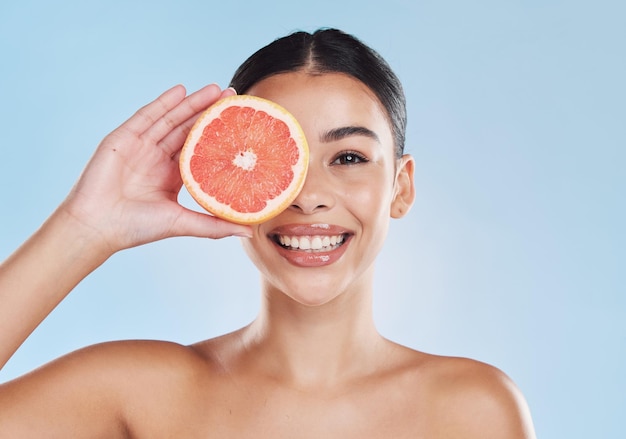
(316, 194)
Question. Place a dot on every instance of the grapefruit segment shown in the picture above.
(245, 159)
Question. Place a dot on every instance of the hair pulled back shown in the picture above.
(329, 51)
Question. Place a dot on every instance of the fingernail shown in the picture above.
(243, 234)
(233, 89)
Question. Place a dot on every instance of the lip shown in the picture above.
(308, 258)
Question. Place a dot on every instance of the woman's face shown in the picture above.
(325, 243)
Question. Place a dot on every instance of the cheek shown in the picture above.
(368, 199)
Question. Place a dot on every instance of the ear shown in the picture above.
(404, 187)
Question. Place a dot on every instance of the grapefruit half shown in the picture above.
(245, 159)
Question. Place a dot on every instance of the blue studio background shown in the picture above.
(514, 253)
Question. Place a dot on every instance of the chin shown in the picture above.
(317, 295)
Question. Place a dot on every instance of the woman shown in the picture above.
(312, 363)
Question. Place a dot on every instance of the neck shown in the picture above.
(313, 346)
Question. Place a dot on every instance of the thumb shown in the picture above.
(191, 223)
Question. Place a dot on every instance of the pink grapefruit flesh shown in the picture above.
(245, 159)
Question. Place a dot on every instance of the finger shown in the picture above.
(228, 92)
(191, 106)
(147, 115)
(191, 223)
(173, 142)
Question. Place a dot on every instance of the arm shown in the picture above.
(110, 390)
(127, 196)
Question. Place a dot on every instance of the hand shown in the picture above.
(128, 192)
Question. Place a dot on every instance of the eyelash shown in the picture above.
(357, 158)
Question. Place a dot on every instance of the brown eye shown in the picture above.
(349, 158)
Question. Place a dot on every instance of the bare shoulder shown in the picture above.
(105, 390)
(473, 399)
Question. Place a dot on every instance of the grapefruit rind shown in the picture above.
(224, 210)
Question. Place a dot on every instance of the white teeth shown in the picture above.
(316, 243)
(313, 243)
(305, 244)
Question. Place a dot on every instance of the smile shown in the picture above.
(312, 243)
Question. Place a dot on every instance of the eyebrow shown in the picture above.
(341, 133)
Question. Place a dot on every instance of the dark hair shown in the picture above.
(329, 51)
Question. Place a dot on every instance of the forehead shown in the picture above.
(322, 102)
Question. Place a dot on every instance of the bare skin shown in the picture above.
(312, 364)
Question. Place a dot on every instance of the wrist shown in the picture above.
(79, 240)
